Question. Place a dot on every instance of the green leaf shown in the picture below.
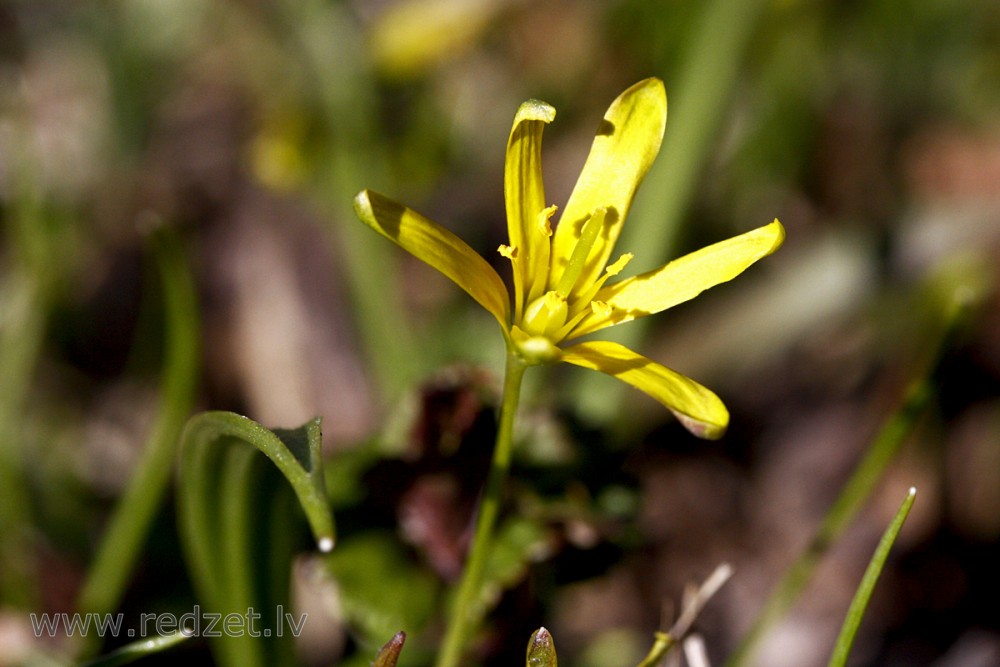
(517, 542)
(842, 649)
(296, 453)
(235, 512)
(381, 589)
(139, 649)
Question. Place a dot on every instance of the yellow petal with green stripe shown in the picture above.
(626, 144)
(682, 279)
(438, 247)
(698, 409)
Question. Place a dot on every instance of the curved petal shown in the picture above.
(698, 409)
(627, 141)
(438, 247)
(524, 194)
(681, 279)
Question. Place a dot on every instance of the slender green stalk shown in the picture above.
(466, 610)
(858, 488)
(842, 649)
(126, 532)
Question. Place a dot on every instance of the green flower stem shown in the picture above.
(467, 609)
(842, 649)
(126, 532)
(858, 488)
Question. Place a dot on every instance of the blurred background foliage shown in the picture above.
(871, 129)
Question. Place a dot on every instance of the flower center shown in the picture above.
(545, 315)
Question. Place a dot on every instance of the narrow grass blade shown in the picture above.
(860, 485)
(128, 527)
(139, 649)
(859, 604)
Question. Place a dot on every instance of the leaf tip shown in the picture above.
(541, 649)
(389, 654)
(325, 544)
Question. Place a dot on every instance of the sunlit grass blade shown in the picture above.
(842, 649)
(139, 649)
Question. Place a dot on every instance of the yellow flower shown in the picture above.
(561, 289)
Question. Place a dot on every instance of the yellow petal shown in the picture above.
(683, 278)
(524, 195)
(438, 247)
(698, 409)
(627, 141)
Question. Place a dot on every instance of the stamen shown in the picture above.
(609, 272)
(569, 326)
(616, 268)
(588, 236)
(508, 252)
(545, 219)
(601, 309)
